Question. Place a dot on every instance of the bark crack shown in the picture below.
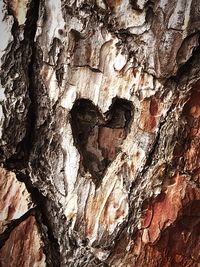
(13, 224)
(20, 160)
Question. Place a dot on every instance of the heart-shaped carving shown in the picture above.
(98, 136)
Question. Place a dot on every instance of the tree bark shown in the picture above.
(100, 122)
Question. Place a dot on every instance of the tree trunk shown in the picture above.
(100, 133)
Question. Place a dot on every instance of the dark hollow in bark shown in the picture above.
(98, 136)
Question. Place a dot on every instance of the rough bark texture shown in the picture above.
(100, 133)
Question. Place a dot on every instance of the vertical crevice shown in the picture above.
(51, 243)
(51, 248)
(19, 161)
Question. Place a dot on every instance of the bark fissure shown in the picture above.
(20, 160)
(52, 250)
(12, 225)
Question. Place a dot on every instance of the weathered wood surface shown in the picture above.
(100, 113)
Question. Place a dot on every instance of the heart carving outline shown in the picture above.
(98, 136)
